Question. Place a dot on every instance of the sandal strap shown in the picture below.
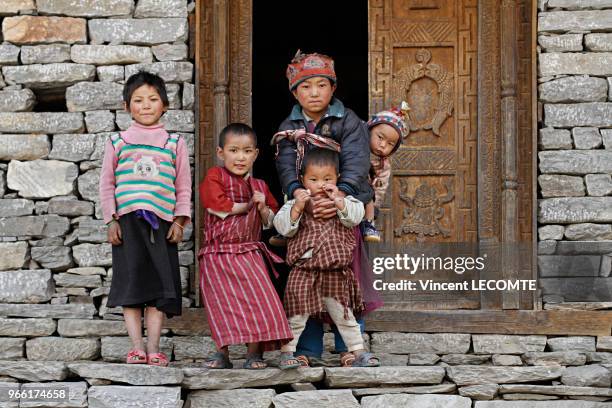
(304, 361)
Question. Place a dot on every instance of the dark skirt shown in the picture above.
(145, 273)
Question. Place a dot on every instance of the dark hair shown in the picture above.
(238, 129)
(317, 156)
(145, 78)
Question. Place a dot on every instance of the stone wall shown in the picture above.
(575, 150)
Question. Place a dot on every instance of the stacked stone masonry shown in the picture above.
(575, 151)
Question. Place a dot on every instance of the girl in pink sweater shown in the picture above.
(145, 191)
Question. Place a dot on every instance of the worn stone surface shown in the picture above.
(575, 63)
(360, 377)
(123, 120)
(507, 344)
(93, 231)
(70, 206)
(72, 147)
(407, 343)
(529, 397)
(70, 280)
(606, 136)
(41, 178)
(112, 73)
(473, 375)
(26, 327)
(16, 6)
(552, 139)
(250, 397)
(555, 185)
(45, 53)
(561, 43)
(463, 359)
(134, 374)
(110, 54)
(156, 8)
(547, 247)
(179, 120)
(23, 147)
(201, 378)
(319, 398)
(86, 8)
(53, 257)
(92, 254)
(18, 100)
(193, 347)
(588, 232)
(138, 31)
(11, 349)
(170, 52)
(26, 286)
(170, 71)
(68, 311)
(419, 389)
(112, 396)
(61, 349)
(34, 370)
(88, 185)
(577, 209)
(114, 349)
(604, 343)
(600, 358)
(415, 359)
(598, 184)
(552, 266)
(88, 271)
(586, 138)
(77, 394)
(551, 232)
(44, 76)
(483, 392)
(41, 122)
(84, 328)
(100, 121)
(572, 343)
(556, 21)
(564, 358)
(556, 390)
(13, 255)
(40, 30)
(591, 375)
(596, 114)
(174, 98)
(598, 42)
(576, 162)
(574, 89)
(580, 4)
(86, 96)
(415, 401)
(9, 54)
(188, 96)
(506, 360)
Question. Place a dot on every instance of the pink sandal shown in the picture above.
(135, 356)
(157, 359)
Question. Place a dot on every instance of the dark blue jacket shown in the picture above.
(345, 127)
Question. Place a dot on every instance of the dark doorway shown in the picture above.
(338, 28)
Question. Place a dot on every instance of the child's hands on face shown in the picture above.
(259, 199)
(302, 197)
(331, 190)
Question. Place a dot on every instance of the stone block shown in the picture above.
(158, 8)
(114, 349)
(10, 7)
(591, 375)
(13, 255)
(26, 327)
(111, 73)
(597, 114)
(572, 343)
(94, 96)
(42, 178)
(368, 377)
(134, 374)
(606, 136)
(188, 96)
(70, 206)
(553, 139)
(415, 401)
(92, 254)
(61, 349)
(45, 54)
(18, 100)
(23, 147)
(202, 378)
(562, 390)
(318, 398)
(407, 343)
(474, 375)
(576, 162)
(465, 359)
(15, 207)
(26, 286)
(564, 63)
(54, 257)
(506, 360)
(547, 247)
(86, 8)
(90, 328)
(41, 122)
(113, 396)
(586, 138)
(588, 232)
(551, 232)
(174, 98)
(44, 30)
(70, 280)
(551, 266)
(93, 231)
(68, 311)
(250, 397)
(88, 185)
(170, 52)
(598, 42)
(77, 394)
(598, 184)
(11, 349)
(193, 347)
(34, 370)
(146, 31)
(482, 392)
(577, 209)
(72, 147)
(415, 359)
(37, 226)
(179, 120)
(100, 121)
(123, 120)
(561, 43)
(580, 4)
(559, 21)
(47, 76)
(9, 54)
(507, 344)
(554, 185)
(561, 358)
(170, 71)
(110, 54)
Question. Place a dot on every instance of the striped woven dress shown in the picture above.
(241, 303)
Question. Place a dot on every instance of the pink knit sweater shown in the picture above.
(154, 136)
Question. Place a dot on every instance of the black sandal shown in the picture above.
(251, 359)
(221, 359)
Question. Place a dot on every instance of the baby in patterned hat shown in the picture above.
(387, 129)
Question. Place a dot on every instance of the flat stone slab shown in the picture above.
(423, 389)
(572, 343)
(473, 375)
(416, 401)
(201, 378)
(67, 311)
(34, 370)
(23, 147)
(11, 348)
(249, 397)
(541, 404)
(114, 396)
(316, 399)
(367, 376)
(45, 54)
(62, 349)
(482, 392)
(575, 162)
(27, 327)
(40, 30)
(77, 395)
(83, 328)
(41, 122)
(564, 358)
(556, 390)
(407, 343)
(135, 374)
(146, 31)
(26, 286)
(47, 76)
(42, 178)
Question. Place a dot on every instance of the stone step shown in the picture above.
(416, 401)
(135, 374)
(423, 389)
(316, 399)
(249, 397)
(556, 390)
(115, 396)
(473, 375)
(202, 378)
(366, 376)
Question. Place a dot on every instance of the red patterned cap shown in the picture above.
(304, 66)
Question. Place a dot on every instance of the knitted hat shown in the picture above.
(304, 66)
(395, 117)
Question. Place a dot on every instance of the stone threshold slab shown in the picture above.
(202, 378)
(134, 374)
(365, 376)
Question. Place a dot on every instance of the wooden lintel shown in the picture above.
(548, 322)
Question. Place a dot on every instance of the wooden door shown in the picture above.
(425, 52)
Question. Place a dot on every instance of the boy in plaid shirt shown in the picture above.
(321, 252)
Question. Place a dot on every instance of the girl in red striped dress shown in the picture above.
(241, 303)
